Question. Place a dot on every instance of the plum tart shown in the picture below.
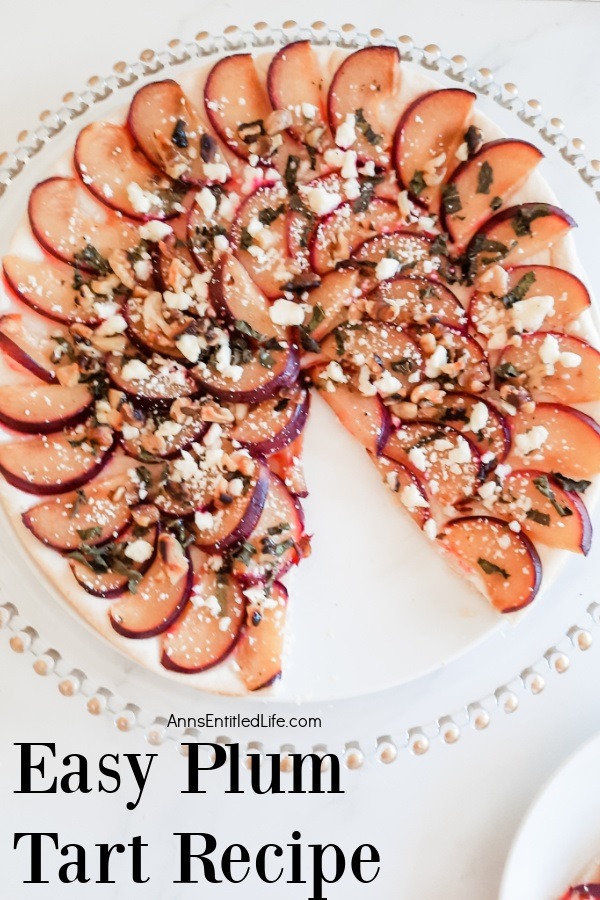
(309, 223)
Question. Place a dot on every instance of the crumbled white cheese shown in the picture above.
(515, 526)
(549, 351)
(204, 520)
(417, 458)
(135, 370)
(112, 325)
(216, 172)
(531, 440)
(463, 152)
(570, 360)
(224, 623)
(529, 314)
(334, 157)
(154, 231)
(387, 267)
(479, 417)
(364, 382)
(461, 453)
(189, 345)
(349, 169)
(430, 529)
(334, 372)
(207, 202)
(140, 199)
(351, 189)
(254, 226)
(286, 312)
(404, 204)
(168, 428)
(142, 269)
(177, 300)
(436, 362)
(129, 432)
(309, 110)
(322, 201)
(412, 498)
(345, 134)
(220, 243)
(139, 550)
(387, 384)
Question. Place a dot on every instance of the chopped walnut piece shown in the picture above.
(101, 435)
(145, 515)
(172, 554)
(68, 376)
(277, 121)
(121, 266)
(105, 286)
(212, 412)
(154, 444)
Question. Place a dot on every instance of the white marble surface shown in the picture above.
(442, 823)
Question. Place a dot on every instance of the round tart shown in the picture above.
(309, 224)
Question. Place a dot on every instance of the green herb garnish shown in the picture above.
(491, 568)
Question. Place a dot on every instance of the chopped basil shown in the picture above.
(543, 486)
(245, 552)
(179, 137)
(521, 223)
(367, 189)
(439, 244)
(520, 290)
(80, 500)
(245, 328)
(307, 342)
(317, 317)
(291, 172)
(506, 370)
(278, 529)
(246, 239)
(88, 534)
(450, 199)
(268, 215)
(144, 475)
(417, 183)
(281, 404)
(404, 366)
(249, 132)
(90, 258)
(208, 148)
(473, 138)
(265, 358)
(366, 129)
(491, 568)
(570, 484)
(339, 342)
(536, 516)
(485, 177)
(496, 203)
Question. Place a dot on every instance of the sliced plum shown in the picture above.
(518, 234)
(568, 445)
(546, 512)
(70, 225)
(259, 237)
(27, 349)
(119, 175)
(427, 139)
(387, 358)
(490, 313)
(262, 377)
(240, 302)
(237, 104)
(342, 231)
(505, 566)
(330, 301)
(234, 523)
(274, 545)
(94, 514)
(52, 464)
(160, 437)
(43, 409)
(445, 461)
(270, 426)
(47, 286)
(160, 597)
(295, 84)
(411, 299)
(479, 419)
(365, 87)
(260, 650)
(408, 488)
(107, 570)
(455, 360)
(169, 132)
(150, 331)
(287, 465)
(365, 417)
(155, 380)
(560, 366)
(210, 626)
(483, 183)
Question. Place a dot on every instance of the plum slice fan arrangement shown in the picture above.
(301, 227)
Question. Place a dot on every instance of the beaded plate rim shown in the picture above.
(447, 729)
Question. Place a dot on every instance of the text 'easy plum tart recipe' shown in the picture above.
(297, 224)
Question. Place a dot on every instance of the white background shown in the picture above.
(442, 823)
